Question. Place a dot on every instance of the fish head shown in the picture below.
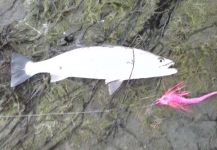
(163, 66)
(158, 66)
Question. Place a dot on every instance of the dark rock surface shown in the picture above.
(10, 11)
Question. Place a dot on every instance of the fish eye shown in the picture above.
(161, 59)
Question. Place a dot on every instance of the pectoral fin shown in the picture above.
(113, 86)
(55, 78)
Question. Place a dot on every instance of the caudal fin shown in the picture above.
(18, 73)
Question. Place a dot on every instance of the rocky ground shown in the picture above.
(79, 113)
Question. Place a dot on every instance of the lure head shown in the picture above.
(164, 100)
(173, 98)
(172, 94)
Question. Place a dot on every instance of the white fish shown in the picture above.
(114, 64)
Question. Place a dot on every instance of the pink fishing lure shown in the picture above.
(176, 98)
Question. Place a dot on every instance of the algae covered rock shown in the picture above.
(79, 113)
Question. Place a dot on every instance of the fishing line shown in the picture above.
(73, 113)
(133, 64)
(54, 114)
(131, 72)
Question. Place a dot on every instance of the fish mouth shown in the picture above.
(168, 65)
(168, 69)
(171, 65)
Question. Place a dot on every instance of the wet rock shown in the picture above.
(10, 11)
(185, 134)
(63, 115)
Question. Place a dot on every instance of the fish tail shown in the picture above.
(18, 72)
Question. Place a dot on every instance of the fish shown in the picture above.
(177, 99)
(114, 64)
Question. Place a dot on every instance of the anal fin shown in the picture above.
(114, 86)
